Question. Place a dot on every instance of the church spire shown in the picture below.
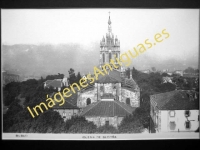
(109, 21)
(109, 24)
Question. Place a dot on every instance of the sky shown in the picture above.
(86, 27)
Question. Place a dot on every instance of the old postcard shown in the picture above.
(100, 74)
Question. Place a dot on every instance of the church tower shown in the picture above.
(109, 47)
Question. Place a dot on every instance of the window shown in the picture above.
(88, 101)
(103, 58)
(187, 124)
(110, 56)
(187, 113)
(172, 113)
(107, 123)
(172, 125)
(128, 101)
(64, 115)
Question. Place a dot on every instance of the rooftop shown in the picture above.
(70, 102)
(177, 100)
(107, 79)
(66, 105)
(107, 109)
(73, 98)
(130, 83)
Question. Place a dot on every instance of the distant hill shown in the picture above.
(46, 59)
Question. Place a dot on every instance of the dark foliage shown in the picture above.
(52, 77)
(107, 129)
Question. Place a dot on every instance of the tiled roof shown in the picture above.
(70, 102)
(130, 89)
(130, 83)
(48, 81)
(112, 77)
(66, 105)
(89, 87)
(107, 79)
(107, 109)
(176, 100)
(73, 98)
(115, 74)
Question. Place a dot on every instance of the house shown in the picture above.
(69, 108)
(170, 73)
(167, 79)
(178, 72)
(175, 111)
(55, 84)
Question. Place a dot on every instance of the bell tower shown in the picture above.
(109, 47)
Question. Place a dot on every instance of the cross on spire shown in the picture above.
(109, 22)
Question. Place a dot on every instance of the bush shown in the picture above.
(131, 127)
(106, 129)
(82, 127)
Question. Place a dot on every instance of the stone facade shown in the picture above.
(110, 91)
(67, 113)
(101, 121)
(114, 88)
(133, 96)
(87, 97)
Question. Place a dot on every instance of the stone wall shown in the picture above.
(109, 88)
(100, 121)
(134, 97)
(82, 97)
(67, 113)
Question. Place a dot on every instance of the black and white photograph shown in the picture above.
(100, 74)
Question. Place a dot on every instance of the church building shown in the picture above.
(113, 96)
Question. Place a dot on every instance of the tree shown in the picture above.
(57, 76)
(189, 70)
(165, 74)
(10, 118)
(78, 77)
(78, 124)
(128, 72)
(153, 69)
(82, 127)
(107, 129)
(48, 122)
(135, 73)
(131, 124)
(166, 87)
(72, 76)
(10, 91)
